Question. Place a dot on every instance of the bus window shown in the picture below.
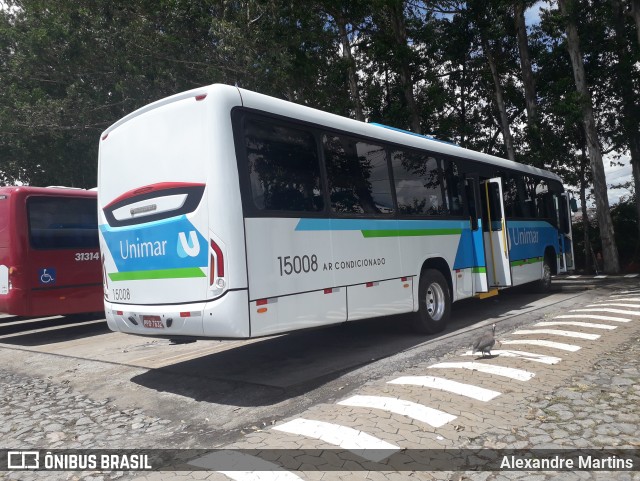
(564, 214)
(491, 193)
(510, 193)
(283, 167)
(544, 201)
(358, 176)
(452, 184)
(471, 195)
(62, 223)
(418, 183)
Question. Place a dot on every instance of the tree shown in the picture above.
(609, 249)
(634, 12)
(629, 105)
(347, 16)
(528, 80)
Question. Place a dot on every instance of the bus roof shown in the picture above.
(254, 100)
(258, 101)
(54, 190)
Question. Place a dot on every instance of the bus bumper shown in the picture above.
(224, 318)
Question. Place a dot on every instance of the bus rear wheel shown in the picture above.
(434, 303)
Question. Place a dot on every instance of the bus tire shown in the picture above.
(434, 303)
(544, 284)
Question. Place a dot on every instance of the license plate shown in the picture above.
(152, 322)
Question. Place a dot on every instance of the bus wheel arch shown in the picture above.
(435, 290)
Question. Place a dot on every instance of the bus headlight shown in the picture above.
(220, 283)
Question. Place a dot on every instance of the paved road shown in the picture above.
(566, 375)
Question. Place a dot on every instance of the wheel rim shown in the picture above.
(435, 301)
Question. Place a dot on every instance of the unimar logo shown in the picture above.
(185, 248)
(524, 236)
(190, 248)
(168, 248)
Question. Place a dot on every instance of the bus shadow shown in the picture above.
(25, 331)
(270, 371)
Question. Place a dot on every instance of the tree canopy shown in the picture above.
(464, 72)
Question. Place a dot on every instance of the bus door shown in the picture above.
(476, 248)
(495, 234)
(565, 238)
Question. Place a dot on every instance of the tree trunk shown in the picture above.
(351, 65)
(630, 101)
(525, 63)
(499, 97)
(404, 69)
(635, 14)
(605, 224)
(588, 259)
(528, 80)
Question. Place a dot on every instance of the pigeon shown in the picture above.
(485, 342)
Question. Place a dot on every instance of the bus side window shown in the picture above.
(565, 222)
(471, 203)
(452, 183)
(492, 191)
(284, 168)
(358, 176)
(510, 193)
(418, 183)
(523, 201)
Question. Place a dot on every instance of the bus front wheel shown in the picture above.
(434, 302)
(544, 284)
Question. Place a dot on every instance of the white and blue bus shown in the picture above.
(225, 213)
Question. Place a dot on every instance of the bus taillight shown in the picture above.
(216, 266)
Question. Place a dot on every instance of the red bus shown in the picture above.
(49, 252)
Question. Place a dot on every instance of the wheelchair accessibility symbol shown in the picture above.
(47, 276)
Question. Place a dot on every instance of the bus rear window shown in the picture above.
(62, 223)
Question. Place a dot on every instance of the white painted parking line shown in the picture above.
(614, 304)
(623, 298)
(358, 442)
(623, 293)
(416, 411)
(441, 384)
(600, 277)
(527, 356)
(593, 316)
(577, 324)
(607, 309)
(631, 275)
(243, 467)
(540, 342)
(556, 332)
(510, 372)
(573, 277)
(271, 475)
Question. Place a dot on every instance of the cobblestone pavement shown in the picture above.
(586, 398)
